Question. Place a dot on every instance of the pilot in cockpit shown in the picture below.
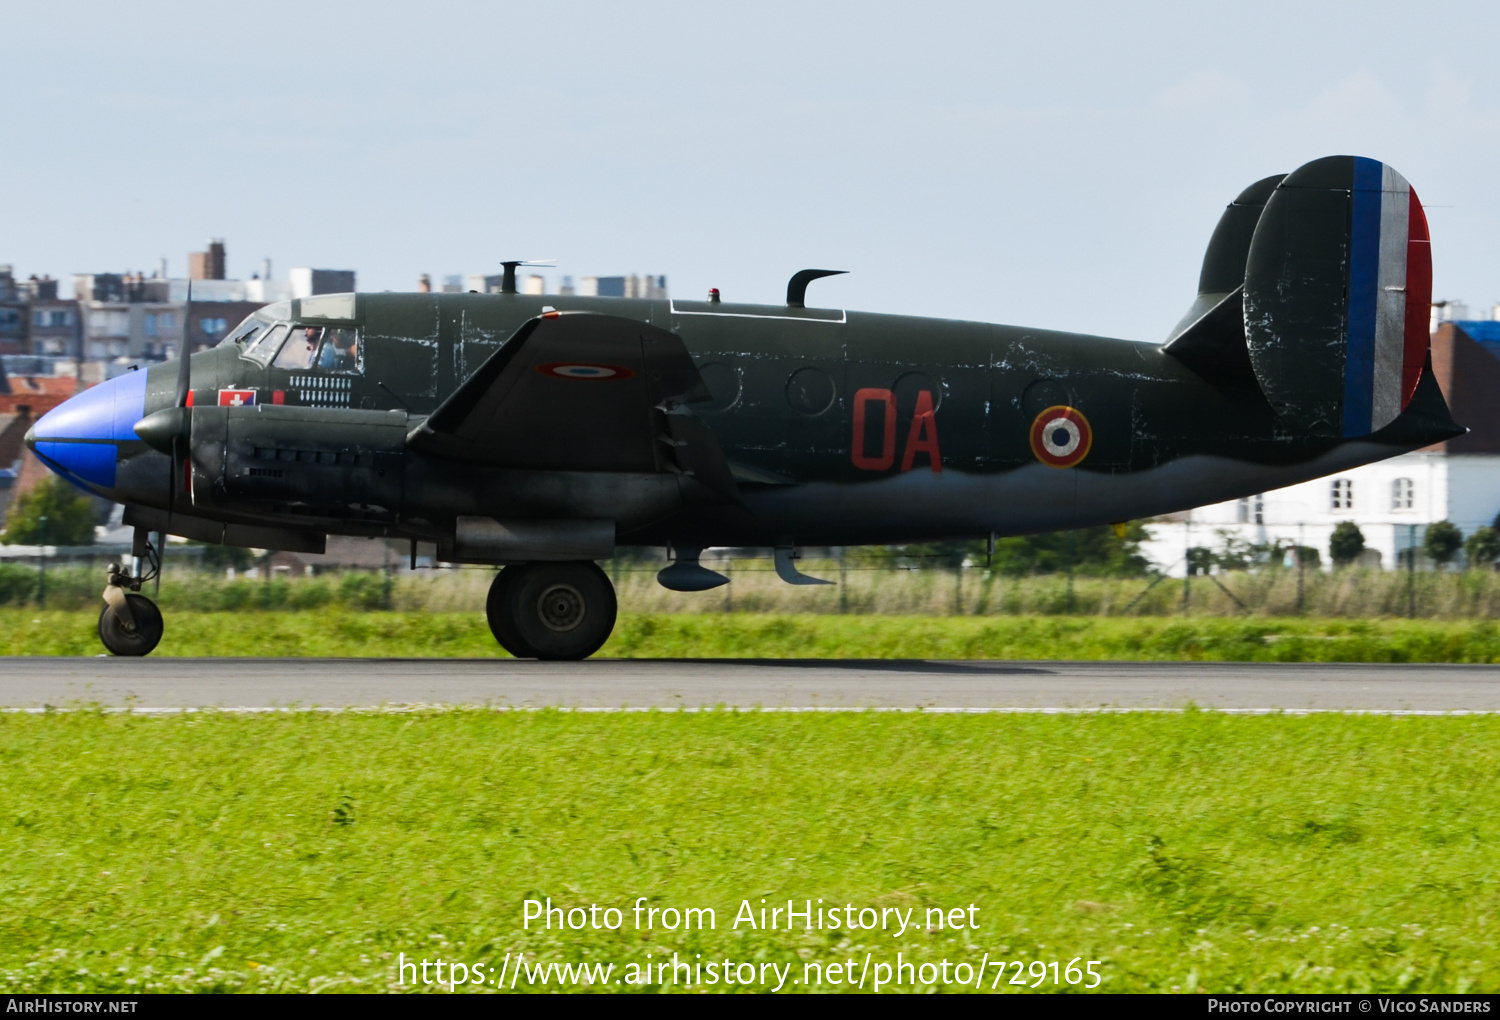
(339, 352)
(299, 350)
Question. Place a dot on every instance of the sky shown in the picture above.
(1057, 165)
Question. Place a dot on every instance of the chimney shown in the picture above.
(207, 265)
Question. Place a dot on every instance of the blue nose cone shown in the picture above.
(79, 439)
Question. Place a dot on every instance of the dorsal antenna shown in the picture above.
(796, 288)
(508, 281)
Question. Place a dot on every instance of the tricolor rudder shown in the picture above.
(1338, 285)
(1390, 291)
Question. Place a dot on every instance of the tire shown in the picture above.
(138, 640)
(501, 621)
(553, 610)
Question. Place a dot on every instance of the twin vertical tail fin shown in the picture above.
(1335, 298)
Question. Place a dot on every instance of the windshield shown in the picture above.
(264, 345)
(247, 331)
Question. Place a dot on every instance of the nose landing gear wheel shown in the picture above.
(137, 638)
(551, 610)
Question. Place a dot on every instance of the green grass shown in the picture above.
(1189, 851)
(342, 632)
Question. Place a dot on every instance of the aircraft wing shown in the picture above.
(581, 392)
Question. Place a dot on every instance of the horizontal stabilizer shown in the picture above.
(1223, 269)
(1214, 344)
(1210, 338)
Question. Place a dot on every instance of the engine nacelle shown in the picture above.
(304, 462)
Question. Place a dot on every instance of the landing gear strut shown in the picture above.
(551, 610)
(130, 624)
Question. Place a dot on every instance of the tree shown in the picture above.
(1346, 543)
(1307, 556)
(1442, 541)
(1482, 548)
(220, 557)
(1092, 552)
(69, 513)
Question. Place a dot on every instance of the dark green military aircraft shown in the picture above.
(539, 433)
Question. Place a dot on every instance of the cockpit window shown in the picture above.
(263, 346)
(332, 349)
(340, 353)
(300, 350)
(246, 332)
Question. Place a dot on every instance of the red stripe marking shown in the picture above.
(1418, 299)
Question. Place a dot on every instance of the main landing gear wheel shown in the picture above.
(551, 610)
(131, 638)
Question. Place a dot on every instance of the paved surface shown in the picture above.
(336, 683)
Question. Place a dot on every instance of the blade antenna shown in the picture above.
(508, 280)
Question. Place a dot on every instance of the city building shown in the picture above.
(532, 284)
(207, 265)
(55, 324)
(304, 282)
(15, 314)
(631, 286)
(24, 399)
(1391, 501)
(129, 318)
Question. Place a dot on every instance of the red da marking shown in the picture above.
(1061, 436)
(887, 455)
(575, 371)
(923, 435)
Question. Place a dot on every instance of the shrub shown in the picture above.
(17, 584)
(1442, 541)
(1346, 543)
(69, 513)
(1482, 548)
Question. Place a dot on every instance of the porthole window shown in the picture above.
(723, 382)
(810, 390)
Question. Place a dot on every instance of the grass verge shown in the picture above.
(339, 632)
(312, 851)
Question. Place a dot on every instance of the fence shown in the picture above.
(861, 588)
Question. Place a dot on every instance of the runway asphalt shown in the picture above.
(163, 683)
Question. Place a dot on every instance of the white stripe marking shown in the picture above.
(1390, 298)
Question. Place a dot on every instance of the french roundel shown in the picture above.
(578, 370)
(1061, 437)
